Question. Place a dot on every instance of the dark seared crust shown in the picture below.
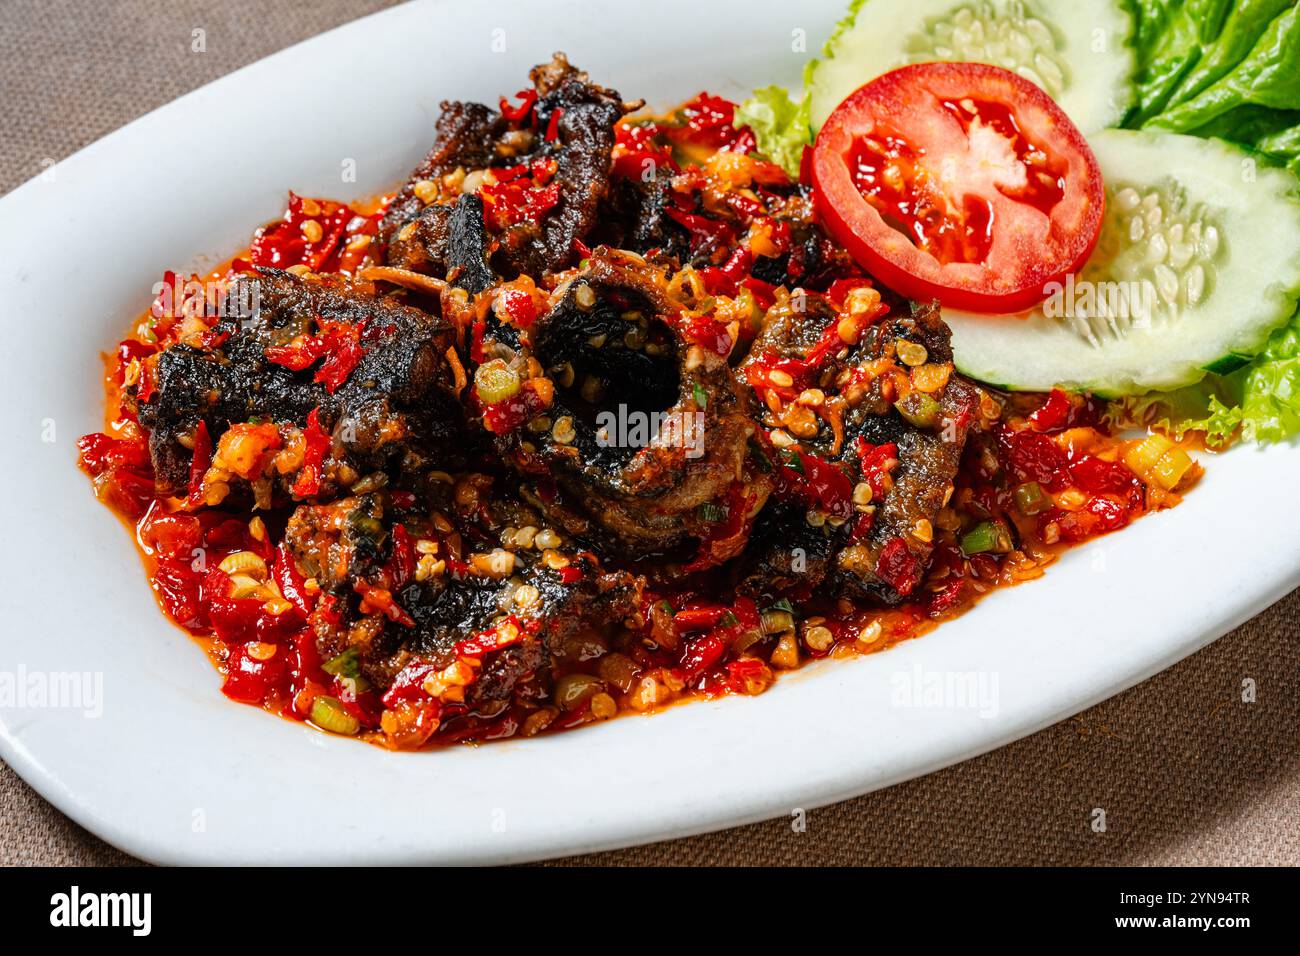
(928, 458)
(448, 240)
(634, 219)
(468, 247)
(398, 400)
(786, 554)
(423, 245)
(350, 541)
(645, 498)
(465, 136)
(582, 149)
(927, 465)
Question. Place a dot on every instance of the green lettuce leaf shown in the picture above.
(1170, 38)
(1270, 402)
(780, 126)
(783, 126)
(1196, 408)
(1231, 71)
(1261, 400)
(1269, 75)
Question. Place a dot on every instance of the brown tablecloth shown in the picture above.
(1187, 772)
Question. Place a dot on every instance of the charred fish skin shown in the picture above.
(397, 401)
(928, 457)
(881, 554)
(645, 427)
(414, 595)
(466, 136)
(582, 149)
(448, 241)
(439, 230)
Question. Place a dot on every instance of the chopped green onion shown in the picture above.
(746, 639)
(347, 664)
(712, 511)
(782, 605)
(919, 409)
(328, 714)
(986, 536)
(792, 460)
(701, 396)
(777, 622)
(495, 381)
(1159, 461)
(1031, 499)
(728, 620)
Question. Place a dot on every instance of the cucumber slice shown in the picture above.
(1198, 259)
(1077, 50)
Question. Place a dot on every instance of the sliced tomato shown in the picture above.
(958, 181)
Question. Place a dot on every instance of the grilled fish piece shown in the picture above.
(466, 136)
(325, 374)
(408, 586)
(648, 435)
(839, 399)
(569, 132)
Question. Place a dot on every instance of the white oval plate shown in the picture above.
(172, 772)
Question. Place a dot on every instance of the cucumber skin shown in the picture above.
(1280, 203)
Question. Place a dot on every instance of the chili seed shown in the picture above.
(429, 567)
(538, 721)
(260, 650)
(425, 190)
(911, 353)
(871, 633)
(563, 431)
(801, 421)
(603, 706)
(786, 653)
(818, 637)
